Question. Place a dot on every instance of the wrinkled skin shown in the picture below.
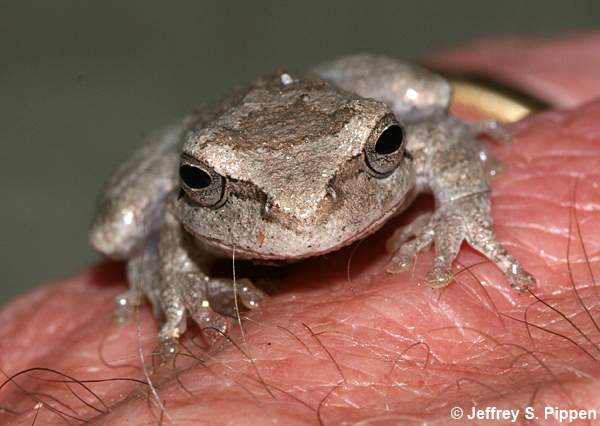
(377, 349)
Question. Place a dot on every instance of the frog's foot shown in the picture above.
(126, 304)
(482, 238)
(173, 309)
(498, 131)
(407, 242)
(467, 219)
(208, 301)
(142, 276)
(222, 294)
(223, 298)
(176, 305)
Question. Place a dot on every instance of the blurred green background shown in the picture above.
(82, 82)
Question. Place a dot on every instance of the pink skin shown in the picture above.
(401, 350)
(563, 71)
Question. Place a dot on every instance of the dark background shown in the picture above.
(82, 82)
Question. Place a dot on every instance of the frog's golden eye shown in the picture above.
(202, 185)
(385, 148)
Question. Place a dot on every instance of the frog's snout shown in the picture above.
(300, 216)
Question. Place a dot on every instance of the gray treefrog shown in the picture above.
(296, 165)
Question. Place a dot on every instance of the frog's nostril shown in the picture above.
(194, 177)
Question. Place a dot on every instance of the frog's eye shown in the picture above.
(202, 185)
(385, 147)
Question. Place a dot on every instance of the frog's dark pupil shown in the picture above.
(389, 141)
(194, 177)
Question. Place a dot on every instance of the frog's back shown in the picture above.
(412, 92)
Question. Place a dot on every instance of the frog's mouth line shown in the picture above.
(247, 254)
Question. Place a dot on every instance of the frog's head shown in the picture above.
(294, 167)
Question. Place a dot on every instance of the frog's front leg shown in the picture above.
(130, 209)
(446, 161)
(187, 289)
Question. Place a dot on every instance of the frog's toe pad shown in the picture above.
(168, 347)
(250, 295)
(407, 242)
(125, 305)
(399, 263)
(520, 280)
(439, 277)
(213, 325)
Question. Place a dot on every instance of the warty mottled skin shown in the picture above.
(297, 165)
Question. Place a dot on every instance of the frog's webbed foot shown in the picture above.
(466, 219)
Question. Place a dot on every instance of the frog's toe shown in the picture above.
(175, 323)
(405, 233)
(444, 229)
(483, 238)
(168, 346)
(439, 277)
(404, 249)
(210, 301)
(520, 280)
(222, 294)
(250, 295)
(449, 235)
(500, 132)
(125, 305)
(399, 263)
(213, 325)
